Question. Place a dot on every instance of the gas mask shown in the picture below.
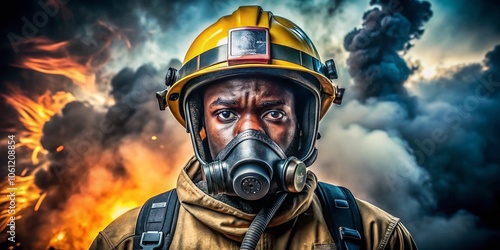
(251, 166)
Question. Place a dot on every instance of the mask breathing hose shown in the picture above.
(260, 223)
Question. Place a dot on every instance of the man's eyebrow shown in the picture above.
(222, 102)
(266, 104)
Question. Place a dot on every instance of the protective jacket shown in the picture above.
(207, 223)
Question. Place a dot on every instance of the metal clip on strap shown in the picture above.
(150, 240)
(349, 236)
(156, 222)
(346, 229)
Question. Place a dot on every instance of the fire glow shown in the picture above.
(55, 59)
(101, 196)
(34, 114)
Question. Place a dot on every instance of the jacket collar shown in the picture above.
(226, 219)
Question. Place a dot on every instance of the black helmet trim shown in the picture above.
(278, 52)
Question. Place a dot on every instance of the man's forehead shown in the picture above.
(271, 85)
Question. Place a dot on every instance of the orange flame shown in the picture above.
(25, 195)
(33, 115)
(43, 55)
(99, 200)
(55, 59)
(66, 67)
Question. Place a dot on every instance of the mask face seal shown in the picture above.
(251, 166)
(308, 95)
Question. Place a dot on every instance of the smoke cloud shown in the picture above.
(374, 62)
(105, 153)
(426, 152)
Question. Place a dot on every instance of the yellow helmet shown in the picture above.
(251, 41)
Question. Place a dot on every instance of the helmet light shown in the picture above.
(248, 45)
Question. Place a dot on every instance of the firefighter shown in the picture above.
(251, 92)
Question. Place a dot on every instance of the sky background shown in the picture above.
(417, 133)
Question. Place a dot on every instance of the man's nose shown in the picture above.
(247, 122)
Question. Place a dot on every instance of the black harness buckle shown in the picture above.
(349, 233)
(150, 240)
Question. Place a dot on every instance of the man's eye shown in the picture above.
(226, 115)
(275, 115)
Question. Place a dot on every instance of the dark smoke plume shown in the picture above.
(455, 139)
(100, 140)
(374, 62)
(439, 164)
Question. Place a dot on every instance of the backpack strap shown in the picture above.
(342, 216)
(156, 222)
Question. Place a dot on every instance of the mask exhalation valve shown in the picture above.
(251, 181)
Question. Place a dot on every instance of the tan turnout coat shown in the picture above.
(207, 223)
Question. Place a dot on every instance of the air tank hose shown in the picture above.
(260, 222)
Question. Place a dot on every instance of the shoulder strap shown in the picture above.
(156, 222)
(342, 216)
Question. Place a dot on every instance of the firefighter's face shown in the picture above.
(238, 104)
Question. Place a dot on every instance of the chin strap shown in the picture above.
(312, 158)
